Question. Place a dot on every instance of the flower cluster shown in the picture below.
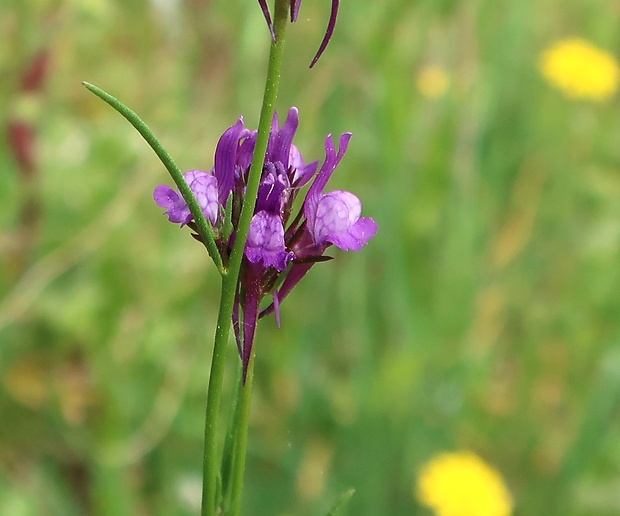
(295, 5)
(462, 484)
(580, 70)
(281, 248)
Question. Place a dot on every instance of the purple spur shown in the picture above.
(283, 243)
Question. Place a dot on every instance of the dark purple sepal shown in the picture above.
(235, 321)
(265, 8)
(328, 33)
(276, 308)
(295, 5)
(251, 299)
(313, 259)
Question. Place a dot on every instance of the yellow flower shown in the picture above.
(461, 484)
(432, 82)
(581, 70)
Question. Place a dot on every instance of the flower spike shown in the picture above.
(280, 249)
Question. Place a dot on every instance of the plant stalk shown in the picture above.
(230, 280)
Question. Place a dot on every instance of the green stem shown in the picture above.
(229, 281)
(204, 228)
(244, 397)
(214, 396)
(264, 127)
(228, 458)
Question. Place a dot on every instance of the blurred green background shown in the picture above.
(483, 316)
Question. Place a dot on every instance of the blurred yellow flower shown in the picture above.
(581, 70)
(432, 82)
(461, 484)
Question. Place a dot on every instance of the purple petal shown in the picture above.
(336, 212)
(265, 9)
(295, 159)
(194, 174)
(266, 241)
(304, 174)
(316, 190)
(328, 33)
(205, 190)
(165, 196)
(281, 140)
(246, 151)
(226, 159)
(329, 165)
(337, 221)
(177, 212)
(204, 187)
(357, 236)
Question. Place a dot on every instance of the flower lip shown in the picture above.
(266, 241)
(166, 197)
(204, 187)
(336, 212)
(337, 221)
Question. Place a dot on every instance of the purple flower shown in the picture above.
(283, 244)
(295, 5)
(334, 218)
(331, 218)
(205, 189)
(266, 242)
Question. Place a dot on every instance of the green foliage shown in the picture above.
(483, 316)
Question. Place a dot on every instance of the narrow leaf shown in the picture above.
(174, 171)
